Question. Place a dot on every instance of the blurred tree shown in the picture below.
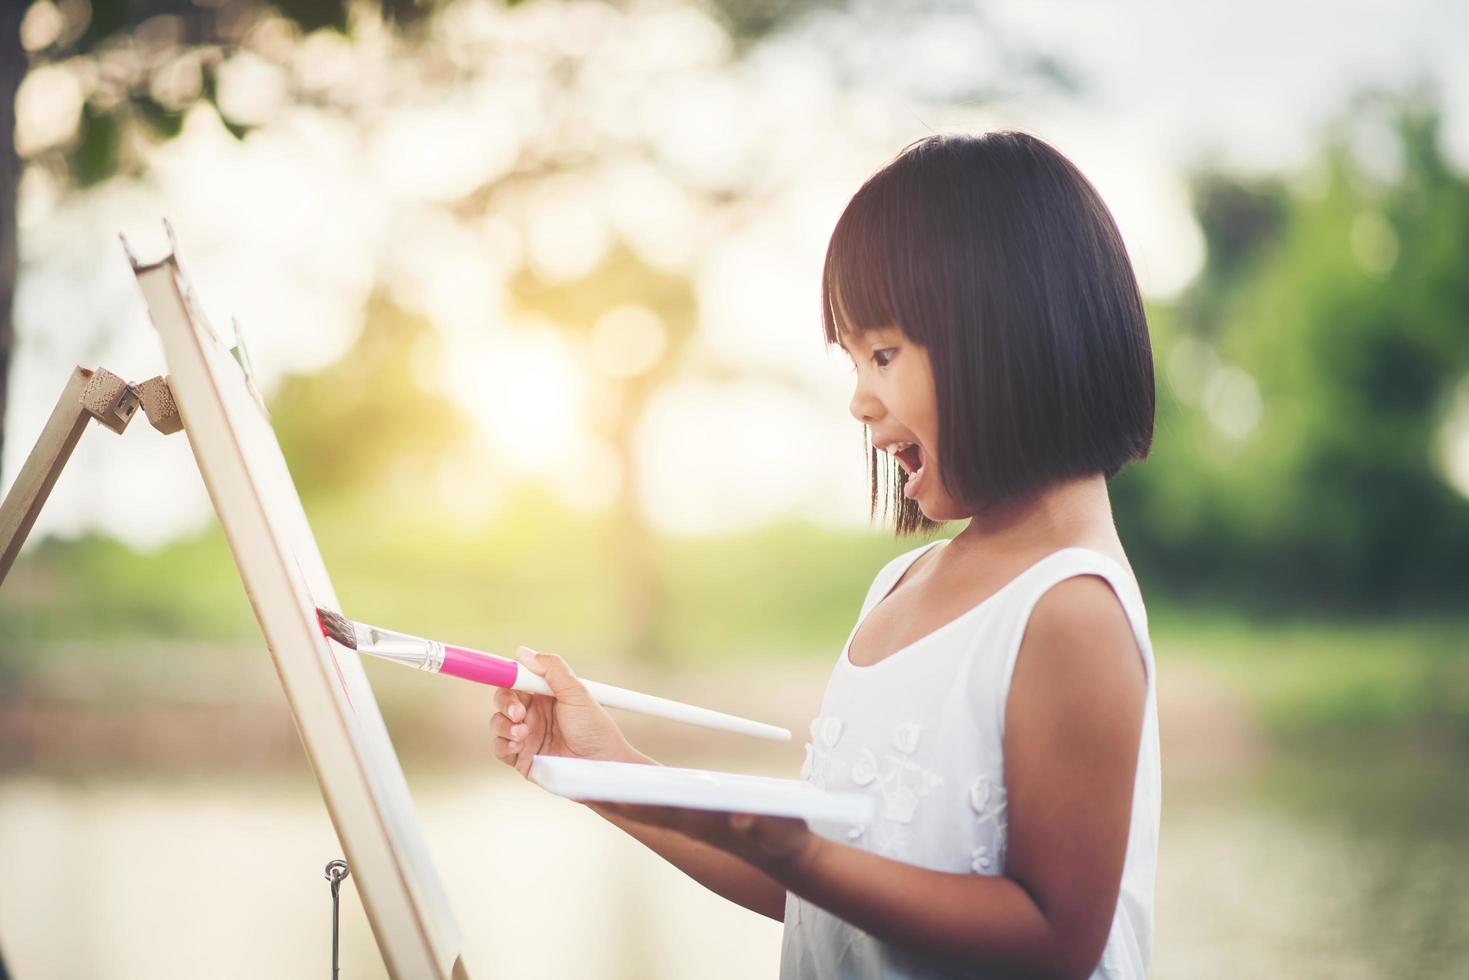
(656, 315)
(1309, 373)
(149, 62)
(153, 59)
(367, 417)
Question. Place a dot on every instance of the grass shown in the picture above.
(1362, 677)
(551, 579)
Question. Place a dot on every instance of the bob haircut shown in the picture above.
(995, 254)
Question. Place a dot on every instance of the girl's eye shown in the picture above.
(885, 352)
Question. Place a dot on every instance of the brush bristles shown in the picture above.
(338, 627)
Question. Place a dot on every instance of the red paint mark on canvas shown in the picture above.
(330, 646)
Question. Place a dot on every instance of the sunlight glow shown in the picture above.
(442, 151)
(251, 89)
(468, 486)
(48, 109)
(1453, 440)
(1232, 402)
(523, 388)
(381, 168)
(719, 457)
(627, 341)
(655, 215)
(592, 475)
(567, 234)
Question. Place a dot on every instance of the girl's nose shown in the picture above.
(864, 408)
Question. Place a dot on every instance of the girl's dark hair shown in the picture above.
(995, 254)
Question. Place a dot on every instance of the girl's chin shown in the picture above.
(933, 503)
(939, 508)
(940, 515)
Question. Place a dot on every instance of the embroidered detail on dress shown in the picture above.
(822, 767)
(990, 804)
(864, 770)
(831, 730)
(902, 784)
(899, 804)
(905, 736)
(983, 792)
(854, 831)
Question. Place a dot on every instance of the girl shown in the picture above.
(996, 695)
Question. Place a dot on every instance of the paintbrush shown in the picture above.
(486, 668)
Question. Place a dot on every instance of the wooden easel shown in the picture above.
(89, 394)
(208, 392)
(96, 393)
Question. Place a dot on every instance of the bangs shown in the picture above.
(869, 269)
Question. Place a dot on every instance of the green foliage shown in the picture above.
(311, 15)
(1346, 306)
(789, 589)
(95, 156)
(97, 588)
(540, 574)
(547, 577)
(163, 122)
(1303, 677)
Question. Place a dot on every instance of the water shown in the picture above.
(1291, 868)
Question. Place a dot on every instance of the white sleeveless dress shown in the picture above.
(922, 731)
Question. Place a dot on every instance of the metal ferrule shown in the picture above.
(403, 648)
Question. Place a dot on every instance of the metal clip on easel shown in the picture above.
(336, 873)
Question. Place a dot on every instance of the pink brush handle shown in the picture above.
(487, 668)
(482, 667)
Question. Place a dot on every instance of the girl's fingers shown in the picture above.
(510, 703)
(505, 728)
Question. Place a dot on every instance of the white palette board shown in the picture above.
(281, 567)
(699, 789)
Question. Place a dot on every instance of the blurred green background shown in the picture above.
(531, 289)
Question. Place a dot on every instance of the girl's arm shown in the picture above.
(572, 723)
(1073, 726)
(715, 869)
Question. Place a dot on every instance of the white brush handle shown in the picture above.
(620, 697)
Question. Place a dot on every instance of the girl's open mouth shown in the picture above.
(911, 458)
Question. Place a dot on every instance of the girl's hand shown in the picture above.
(571, 723)
(770, 843)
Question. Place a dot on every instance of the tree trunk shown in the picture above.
(635, 558)
(12, 69)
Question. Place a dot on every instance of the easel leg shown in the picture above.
(89, 394)
(42, 467)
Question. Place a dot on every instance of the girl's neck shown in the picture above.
(1074, 513)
